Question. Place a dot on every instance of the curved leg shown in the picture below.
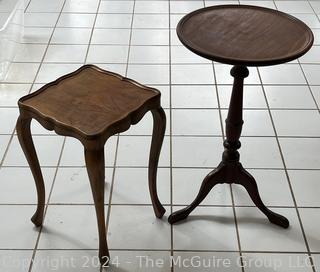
(96, 172)
(248, 181)
(213, 178)
(25, 139)
(159, 127)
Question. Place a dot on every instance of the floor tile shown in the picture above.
(288, 122)
(149, 54)
(180, 54)
(206, 261)
(145, 125)
(111, 36)
(289, 97)
(154, 261)
(45, 6)
(149, 74)
(113, 21)
(206, 229)
(143, 33)
(66, 53)
(256, 123)
(303, 184)
(4, 141)
(71, 36)
(316, 93)
(300, 153)
(63, 225)
(48, 150)
(269, 157)
(72, 186)
(151, 21)
(282, 74)
(86, 6)
(10, 93)
(196, 151)
(310, 19)
(134, 151)
(311, 222)
(276, 262)
(37, 35)
(151, 7)
(22, 72)
(263, 3)
(17, 232)
(76, 20)
(51, 71)
(192, 74)
(116, 7)
(222, 73)
(114, 67)
(8, 118)
(108, 54)
(174, 20)
(220, 2)
(40, 19)
(150, 37)
(30, 52)
(315, 5)
(195, 96)
(311, 56)
(186, 185)
(185, 6)
(165, 97)
(196, 122)
(15, 260)
(294, 6)
(73, 152)
(254, 226)
(136, 227)
(66, 260)
(312, 71)
(253, 96)
(131, 186)
(23, 180)
(316, 258)
(273, 187)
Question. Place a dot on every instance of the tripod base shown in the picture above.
(230, 172)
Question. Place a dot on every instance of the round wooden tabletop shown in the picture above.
(244, 35)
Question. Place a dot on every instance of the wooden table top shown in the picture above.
(244, 35)
(91, 102)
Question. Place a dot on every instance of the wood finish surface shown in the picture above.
(244, 35)
(91, 105)
(230, 170)
(92, 102)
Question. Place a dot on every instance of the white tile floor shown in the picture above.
(137, 39)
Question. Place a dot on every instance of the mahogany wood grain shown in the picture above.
(244, 35)
(91, 105)
(26, 142)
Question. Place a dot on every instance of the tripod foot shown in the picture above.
(279, 220)
(250, 184)
(212, 179)
(178, 216)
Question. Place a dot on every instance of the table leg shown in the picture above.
(230, 169)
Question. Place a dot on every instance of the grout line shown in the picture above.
(287, 175)
(167, 205)
(235, 217)
(170, 137)
(47, 206)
